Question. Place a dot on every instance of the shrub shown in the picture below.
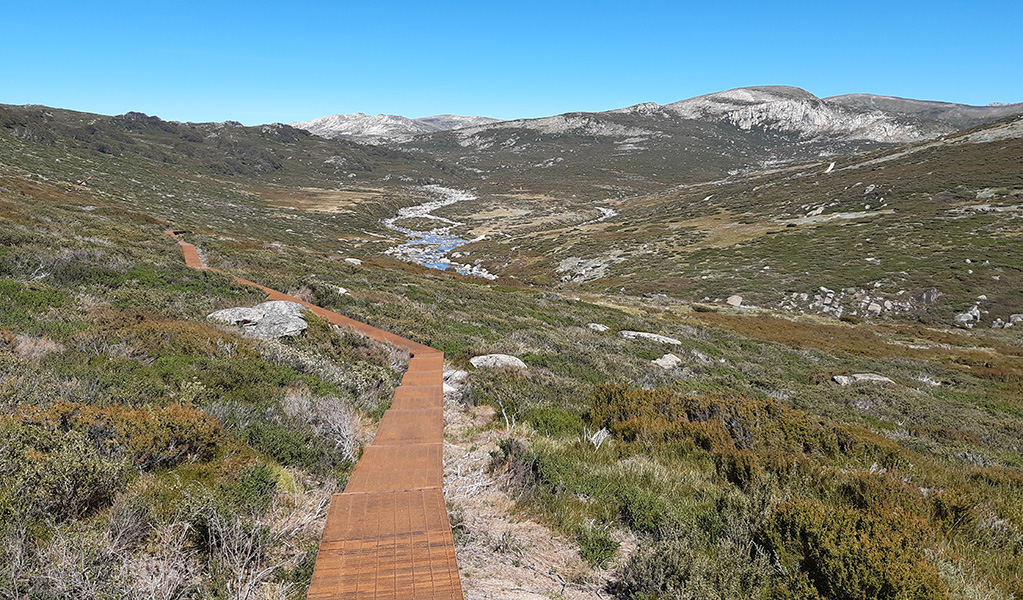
(683, 568)
(18, 301)
(848, 553)
(149, 437)
(253, 490)
(712, 423)
(46, 472)
(286, 445)
(642, 509)
(596, 546)
(554, 421)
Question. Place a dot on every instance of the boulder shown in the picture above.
(241, 315)
(353, 261)
(266, 321)
(734, 300)
(494, 361)
(598, 327)
(862, 378)
(454, 376)
(663, 339)
(969, 318)
(453, 380)
(668, 361)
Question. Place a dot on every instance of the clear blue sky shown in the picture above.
(259, 62)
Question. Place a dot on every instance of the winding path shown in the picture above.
(388, 534)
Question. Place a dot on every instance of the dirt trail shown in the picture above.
(388, 535)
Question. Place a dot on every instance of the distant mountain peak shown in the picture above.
(376, 129)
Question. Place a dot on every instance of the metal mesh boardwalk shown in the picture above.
(388, 535)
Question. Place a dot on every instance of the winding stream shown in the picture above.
(430, 248)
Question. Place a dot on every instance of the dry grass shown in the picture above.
(33, 348)
(319, 200)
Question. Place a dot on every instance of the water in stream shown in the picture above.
(430, 248)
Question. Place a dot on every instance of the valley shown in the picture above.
(768, 345)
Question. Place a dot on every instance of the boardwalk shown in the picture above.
(388, 534)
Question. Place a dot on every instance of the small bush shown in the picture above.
(685, 569)
(253, 491)
(847, 553)
(718, 424)
(286, 445)
(48, 473)
(554, 421)
(596, 546)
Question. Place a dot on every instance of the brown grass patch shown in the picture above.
(317, 199)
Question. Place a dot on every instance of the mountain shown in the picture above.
(641, 148)
(378, 129)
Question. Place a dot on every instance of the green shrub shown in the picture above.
(596, 545)
(720, 424)
(19, 302)
(738, 468)
(288, 446)
(48, 473)
(292, 443)
(683, 568)
(643, 510)
(554, 421)
(848, 553)
(253, 490)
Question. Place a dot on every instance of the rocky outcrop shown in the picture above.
(969, 318)
(782, 108)
(266, 321)
(856, 302)
(1013, 319)
(495, 361)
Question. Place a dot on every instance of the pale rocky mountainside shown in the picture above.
(375, 129)
(779, 108)
(647, 147)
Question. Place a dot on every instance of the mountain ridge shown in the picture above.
(382, 128)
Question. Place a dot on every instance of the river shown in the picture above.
(430, 248)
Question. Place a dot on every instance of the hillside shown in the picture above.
(888, 225)
(664, 439)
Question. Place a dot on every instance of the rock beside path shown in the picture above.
(734, 300)
(862, 378)
(453, 381)
(494, 361)
(663, 339)
(266, 321)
